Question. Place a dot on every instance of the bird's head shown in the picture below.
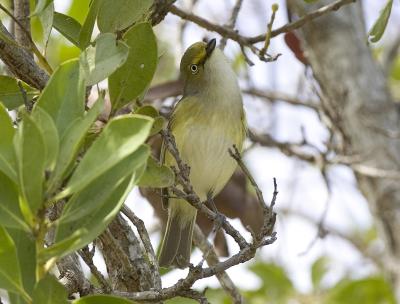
(194, 64)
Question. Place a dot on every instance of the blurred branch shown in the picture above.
(174, 88)
(334, 6)
(20, 63)
(357, 242)
(229, 33)
(222, 30)
(287, 148)
(211, 257)
(279, 96)
(232, 22)
(268, 37)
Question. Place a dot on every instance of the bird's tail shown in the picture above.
(176, 246)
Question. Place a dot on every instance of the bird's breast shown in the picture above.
(203, 139)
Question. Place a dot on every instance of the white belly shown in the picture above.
(205, 150)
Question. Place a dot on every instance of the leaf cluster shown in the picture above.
(47, 161)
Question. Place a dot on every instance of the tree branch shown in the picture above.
(20, 63)
(211, 257)
(229, 33)
(87, 257)
(334, 6)
(150, 253)
(22, 12)
(32, 46)
(159, 10)
(232, 22)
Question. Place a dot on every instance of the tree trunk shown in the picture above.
(356, 88)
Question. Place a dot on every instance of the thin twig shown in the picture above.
(267, 40)
(334, 6)
(249, 41)
(269, 215)
(247, 251)
(181, 287)
(232, 22)
(227, 284)
(28, 105)
(356, 241)
(87, 256)
(273, 96)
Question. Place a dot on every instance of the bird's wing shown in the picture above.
(164, 191)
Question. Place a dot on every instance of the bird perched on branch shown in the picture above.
(207, 121)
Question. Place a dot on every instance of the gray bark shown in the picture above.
(356, 88)
(21, 63)
(22, 12)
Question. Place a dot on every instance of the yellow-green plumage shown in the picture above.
(206, 122)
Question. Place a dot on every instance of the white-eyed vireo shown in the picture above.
(207, 121)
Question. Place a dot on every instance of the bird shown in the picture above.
(206, 122)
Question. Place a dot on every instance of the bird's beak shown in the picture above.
(210, 47)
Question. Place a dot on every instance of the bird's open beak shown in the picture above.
(210, 47)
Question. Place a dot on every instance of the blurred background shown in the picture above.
(327, 240)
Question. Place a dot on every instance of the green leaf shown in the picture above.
(100, 61)
(30, 153)
(85, 34)
(10, 214)
(102, 299)
(49, 291)
(147, 110)
(10, 273)
(10, 93)
(64, 96)
(40, 6)
(69, 244)
(72, 140)
(49, 135)
(377, 30)
(26, 252)
(83, 203)
(108, 205)
(132, 79)
(150, 111)
(7, 131)
(276, 285)
(367, 291)
(46, 19)
(117, 15)
(122, 136)
(318, 271)
(156, 176)
(68, 27)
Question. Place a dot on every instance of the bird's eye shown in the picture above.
(194, 68)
